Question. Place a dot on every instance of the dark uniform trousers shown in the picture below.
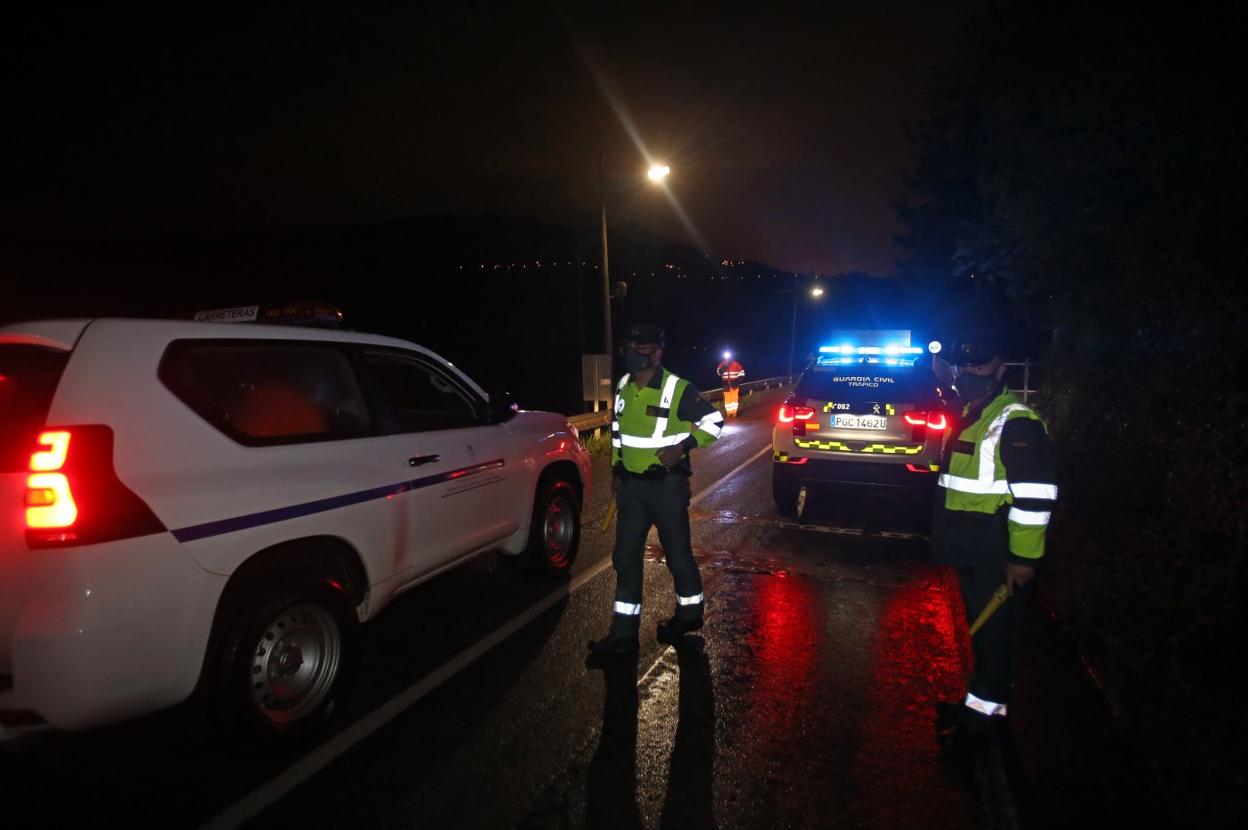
(978, 546)
(663, 503)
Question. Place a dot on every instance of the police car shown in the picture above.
(860, 417)
(215, 508)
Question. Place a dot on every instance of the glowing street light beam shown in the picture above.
(816, 291)
(658, 172)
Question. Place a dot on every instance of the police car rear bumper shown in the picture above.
(857, 475)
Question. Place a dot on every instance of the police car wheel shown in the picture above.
(286, 664)
(555, 532)
(785, 496)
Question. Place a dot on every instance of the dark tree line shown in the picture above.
(1084, 164)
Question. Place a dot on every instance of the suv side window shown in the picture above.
(415, 395)
(264, 392)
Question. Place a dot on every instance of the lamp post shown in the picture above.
(816, 292)
(656, 174)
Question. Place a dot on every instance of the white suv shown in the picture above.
(218, 507)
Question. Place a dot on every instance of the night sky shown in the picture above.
(784, 125)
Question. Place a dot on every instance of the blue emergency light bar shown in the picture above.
(889, 355)
(887, 350)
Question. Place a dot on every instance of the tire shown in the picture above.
(785, 495)
(555, 531)
(285, 664)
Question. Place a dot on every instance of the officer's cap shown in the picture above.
(975, 349)
(646, 333)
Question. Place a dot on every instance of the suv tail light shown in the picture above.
(49, 501)
(790, 412)
(935, 421)
(73, 495)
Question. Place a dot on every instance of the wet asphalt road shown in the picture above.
(807, 704)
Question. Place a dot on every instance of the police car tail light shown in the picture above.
(791, 412)
(73, 495)
(935, 421)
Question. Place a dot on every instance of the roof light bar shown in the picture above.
(870, 350)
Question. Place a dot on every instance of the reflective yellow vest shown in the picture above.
(646, 421)
(978, 482)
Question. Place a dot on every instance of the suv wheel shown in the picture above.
(555, 532)
(285, 664)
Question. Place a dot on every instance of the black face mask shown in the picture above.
(973, 387)
(636, 362)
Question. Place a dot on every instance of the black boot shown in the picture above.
(671, 631)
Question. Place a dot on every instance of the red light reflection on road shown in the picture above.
(786, 633)
(918, 661)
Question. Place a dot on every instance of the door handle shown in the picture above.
(417, 460)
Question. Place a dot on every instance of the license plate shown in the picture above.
(859, 422)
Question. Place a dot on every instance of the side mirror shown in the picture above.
(503, 407)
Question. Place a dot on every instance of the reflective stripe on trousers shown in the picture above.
(986, 707)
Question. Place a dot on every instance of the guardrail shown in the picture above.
(602, 418)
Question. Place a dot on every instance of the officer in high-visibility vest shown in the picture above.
(997, 489)
(658, 419)
(730, 373)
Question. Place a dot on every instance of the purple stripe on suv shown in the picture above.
(294, 511)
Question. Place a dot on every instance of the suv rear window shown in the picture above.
(268, 391)
(28, 378)
(869, 383)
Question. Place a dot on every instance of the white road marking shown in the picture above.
(269, 793)
(706, 491)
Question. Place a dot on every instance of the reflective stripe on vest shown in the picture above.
(652, 443)
(646, 421)
(665, 406)
(987, 483)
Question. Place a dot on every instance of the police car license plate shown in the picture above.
(859, 422)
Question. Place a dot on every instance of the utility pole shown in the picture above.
(606, 276)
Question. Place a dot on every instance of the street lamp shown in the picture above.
(657, 174)
(816, 292)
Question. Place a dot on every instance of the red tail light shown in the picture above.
(49, 501)
(933, 420)
(790, 412)
(73, 495)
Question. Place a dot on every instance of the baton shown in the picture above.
(606, 522)
(995, 601)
